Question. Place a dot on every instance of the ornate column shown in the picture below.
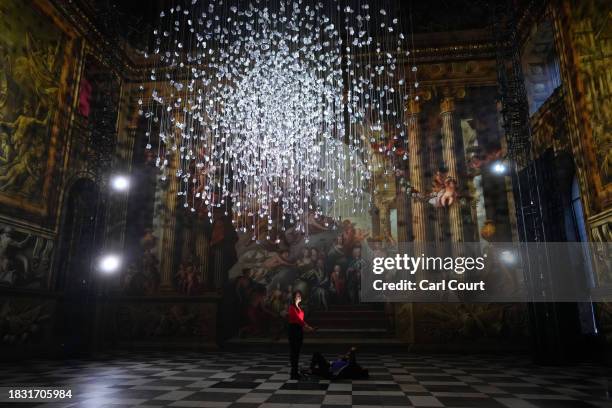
(402, 217)
(201, 252)
(416, 171)
(169, 228)
(187, 251)
(449, 133)
(384, 217)
(437, 213)
(218, 268)
(385, 192)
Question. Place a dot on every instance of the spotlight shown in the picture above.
(507, 257)
(499, 167)
(120, 183)
(109, 263)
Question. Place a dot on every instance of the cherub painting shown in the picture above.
(444, 190)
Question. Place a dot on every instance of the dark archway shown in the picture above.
(79, 236)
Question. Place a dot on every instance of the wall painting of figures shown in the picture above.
(326, 267)
(36, 66)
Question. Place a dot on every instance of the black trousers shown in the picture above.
(319, 365)
(296, 338)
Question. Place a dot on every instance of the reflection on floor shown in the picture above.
(245, 380)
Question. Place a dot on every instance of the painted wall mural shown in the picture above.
(585, 37)
(34, 71)
(25, 259)
(593, 45)
(446, 323)
(23, 322)
(142, 275)
(165, 320)
(326, 268)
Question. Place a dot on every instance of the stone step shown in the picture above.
(358, 306)
(353, 314)
(363, 333)
(349, 323)
(320, 343)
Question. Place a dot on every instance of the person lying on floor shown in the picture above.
(344, 367)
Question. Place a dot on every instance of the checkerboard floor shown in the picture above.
(246, 380)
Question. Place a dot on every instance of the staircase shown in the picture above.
(343, 322)
(364, 325)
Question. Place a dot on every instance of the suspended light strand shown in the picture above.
(278, 111)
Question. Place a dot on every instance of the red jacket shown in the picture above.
(295, 315)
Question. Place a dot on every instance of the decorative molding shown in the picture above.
(600, 226)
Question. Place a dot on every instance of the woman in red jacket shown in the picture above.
(297, 325)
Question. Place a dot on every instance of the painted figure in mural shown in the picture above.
(444, 192)
(317, 224)
(337, 249)
(244, 285)
(353, 278)
(387, 236)
(177, 320)
(277, 260)
(150, 263)
(19, 324)
(187, 278)
(277, 301)
(8, 271)
(338, 284)
(306, 260)
(348, 237)
(31, 62)
(259, 319)
(132, 281)
(317, 280)
(22, 152)
(39, 70)
(31, 80)
(41, 261)
(5, 72)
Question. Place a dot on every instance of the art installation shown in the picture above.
(274, 110)
(324, 202)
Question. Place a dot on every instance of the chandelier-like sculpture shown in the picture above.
(277, 110)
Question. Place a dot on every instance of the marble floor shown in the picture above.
(248, 380)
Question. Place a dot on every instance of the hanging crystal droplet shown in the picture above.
(249, 104)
